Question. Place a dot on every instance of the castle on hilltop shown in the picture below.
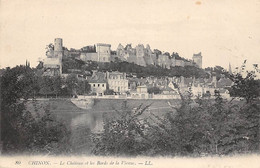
(139, 55)
(100, 52)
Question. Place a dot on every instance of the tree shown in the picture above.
(167, 53)
(123, 134)
(218, 71)
(157, 52)
(46, 85)
(154, 90)
(56, 84)
(71, 64)
(40, 65)
(49, 49)
(19, 81)
(83, 87)
(247, 87)
(109, 92)
(72, 84)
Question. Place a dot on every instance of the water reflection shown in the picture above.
(91, 120)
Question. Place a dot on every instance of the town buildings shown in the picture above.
(98, 83)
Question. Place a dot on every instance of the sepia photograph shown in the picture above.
(130, 83)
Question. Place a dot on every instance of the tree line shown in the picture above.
(33, 84)
(132, 68)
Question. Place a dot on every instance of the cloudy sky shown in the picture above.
(223, 30)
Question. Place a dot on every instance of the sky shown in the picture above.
(224, 31)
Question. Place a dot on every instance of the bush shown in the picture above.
(123, 135)
(247, 87)
(109, 92)
(154, 90)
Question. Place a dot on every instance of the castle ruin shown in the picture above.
(100, 52)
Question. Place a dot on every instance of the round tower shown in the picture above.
(58, 44)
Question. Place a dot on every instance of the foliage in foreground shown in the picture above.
(247, 87)
(195, 128)
(122, 135)
(21, 131)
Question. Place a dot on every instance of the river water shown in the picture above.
(83, 122)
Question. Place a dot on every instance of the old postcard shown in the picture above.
(159, 83)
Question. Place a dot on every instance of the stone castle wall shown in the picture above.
(139, 55)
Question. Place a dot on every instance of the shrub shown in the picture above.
(122, 135)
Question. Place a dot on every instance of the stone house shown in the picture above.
(98, 83)
(117, 81)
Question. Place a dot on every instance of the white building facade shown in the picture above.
(117, 81)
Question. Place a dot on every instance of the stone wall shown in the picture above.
(89, 57)
(179, 63)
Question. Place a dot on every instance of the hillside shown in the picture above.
(75, 65)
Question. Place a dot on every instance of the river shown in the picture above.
(83, 122)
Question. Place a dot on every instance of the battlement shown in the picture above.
(197, 55)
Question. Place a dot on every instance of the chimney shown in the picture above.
(107, 74)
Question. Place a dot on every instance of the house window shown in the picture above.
(103, 85)
(94, 85)
(98, 85)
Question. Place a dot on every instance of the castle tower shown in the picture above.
(197, 58)
(120, 50)
(58, 52)
(139, 50)
(103, 52)
(58, 47)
